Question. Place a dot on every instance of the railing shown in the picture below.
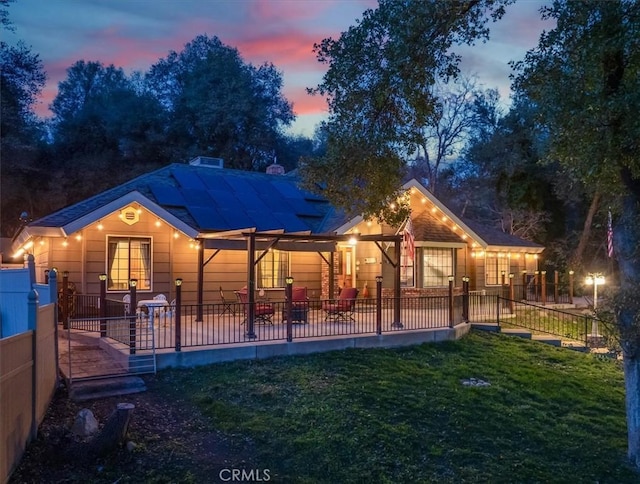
(192, 325)
(582, 328)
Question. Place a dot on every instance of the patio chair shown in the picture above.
(343, 308)
(299, 305)
(226, 306)
(263, 310)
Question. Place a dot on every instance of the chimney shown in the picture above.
(275, 169)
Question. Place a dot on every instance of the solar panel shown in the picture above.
(304, 208)
(188, 179)
(240, 185)
(224, 199)
(197, 198)
(207, 218)
(287, 189)
(291, 223)
(237, 219)
(265, 220)
(215, 180)
(168, 195)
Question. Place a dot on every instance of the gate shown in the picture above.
(97, 348)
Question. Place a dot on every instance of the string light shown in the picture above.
(100, 226)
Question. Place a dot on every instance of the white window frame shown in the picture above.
(145, 284)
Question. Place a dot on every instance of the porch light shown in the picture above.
(178, 282)
(102, 277)
(133, 282)
(289, 280)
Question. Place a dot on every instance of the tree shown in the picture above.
(217, 105)
(584, 76)
(21, 80)
(379, 86)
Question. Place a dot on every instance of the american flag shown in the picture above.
(609, 236)
(409, 239)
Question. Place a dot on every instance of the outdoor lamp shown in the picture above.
(133, 282)
(289, 280)
(511, 275)
(178, 282)
(451, 278)
(465, 278)
(65, 274)
(378, 278)
(102, 277)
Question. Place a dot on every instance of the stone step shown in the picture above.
(106, 387)
(520, 333)
(547, 339)
(492, 327)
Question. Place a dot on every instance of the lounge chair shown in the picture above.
(341, 309)
(263, 311)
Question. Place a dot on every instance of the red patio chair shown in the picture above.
(343, 308)
(299, 305)
(263, 310)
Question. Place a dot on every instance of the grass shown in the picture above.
(403, 415)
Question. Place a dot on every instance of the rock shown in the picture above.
(85, 423)
(475, 382)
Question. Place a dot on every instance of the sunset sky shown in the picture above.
(134, 34)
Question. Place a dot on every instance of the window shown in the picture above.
(496, 262)
(406, 269)
(128, 258)
(273, 268)
(437, 266)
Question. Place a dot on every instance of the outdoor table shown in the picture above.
(153, 305)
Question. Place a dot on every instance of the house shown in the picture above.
(216, 228)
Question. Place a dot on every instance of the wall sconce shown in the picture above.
(178, 282)
(133, 282)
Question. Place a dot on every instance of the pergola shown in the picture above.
(252, 241)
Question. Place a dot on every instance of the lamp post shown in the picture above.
(451, 301)
(595, 280)
(103, 305)
(379, 304)
(178, 338)
(465, 298)
(133, 283)
(65, 299)
(289, 296)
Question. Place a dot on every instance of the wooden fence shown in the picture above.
(28, 380)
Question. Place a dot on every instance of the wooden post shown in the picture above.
(451, 301)
(511, 293)
(65, 299)
(465, 298)
(289, 303)
(396, 285)
(32, 318)
(178, 314)
(103, 305)
(114, 431)
(133, 283)
(570, 287)
(378, 304)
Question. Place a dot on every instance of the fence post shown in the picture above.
(178, 314)
(32, 316)
(52, 280)
(543, 286)
(511, 293)
(65, 299)
(498, 311)
(378, 304)
(289, 303)
(451, 301)
(133, 283)
(103, 305)
(465, 298)
(31, 266)
(556, 279)
(536, 281)
(570, 287)
(524, 284)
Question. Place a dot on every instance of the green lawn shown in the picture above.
(404, 416)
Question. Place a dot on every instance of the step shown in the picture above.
(520, 333)
(106, 387)
(492, 327)
(547, 339)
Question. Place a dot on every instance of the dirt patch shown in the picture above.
(169, 440)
